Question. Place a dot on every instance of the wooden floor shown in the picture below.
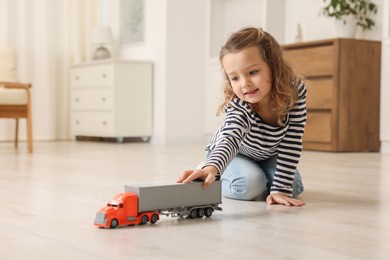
(48, 202)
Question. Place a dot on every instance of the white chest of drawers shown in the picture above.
(111, 98)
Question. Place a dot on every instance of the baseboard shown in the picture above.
(155, 140)
(36, 138)
(177, 140)
(385, 147)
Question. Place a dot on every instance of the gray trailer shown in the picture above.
(178, 199)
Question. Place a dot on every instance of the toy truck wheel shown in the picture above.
(154, 219)
(193, 213)
(114, 223)
(209, 212)
(144, 220)
(200, 213)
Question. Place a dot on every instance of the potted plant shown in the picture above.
(350, 14)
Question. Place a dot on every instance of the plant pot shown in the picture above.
(347, 29)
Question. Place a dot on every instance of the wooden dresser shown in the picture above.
(343, 81)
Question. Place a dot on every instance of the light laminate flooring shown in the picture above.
(48, 202)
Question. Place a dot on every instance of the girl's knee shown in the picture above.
(244, 187)
(297, 185)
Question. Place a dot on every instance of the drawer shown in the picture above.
(319, 93)
(313, 61)
(92, 99)
(92, 123)
(92, 76)
(318, 127)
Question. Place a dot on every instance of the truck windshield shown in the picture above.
(112, 205)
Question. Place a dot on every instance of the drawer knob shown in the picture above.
(104, 123)
(103, 99)
(76, 99)
(104, 75)
(77, 122)
(77, 77)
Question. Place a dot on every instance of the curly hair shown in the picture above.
(284, 91)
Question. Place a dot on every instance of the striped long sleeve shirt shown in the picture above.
(243, 131)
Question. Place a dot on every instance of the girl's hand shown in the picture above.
(279, 198)
(207, 174)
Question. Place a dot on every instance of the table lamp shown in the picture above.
(101, 36)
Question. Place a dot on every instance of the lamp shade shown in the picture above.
(101, 35)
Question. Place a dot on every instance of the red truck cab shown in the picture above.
(122, 210)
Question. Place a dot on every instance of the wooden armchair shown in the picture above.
(15, 97)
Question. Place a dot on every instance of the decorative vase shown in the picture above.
(345, 27)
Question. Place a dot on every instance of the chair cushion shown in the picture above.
(13, 96)
(8, 64)
(8, 73)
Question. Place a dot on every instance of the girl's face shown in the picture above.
(249, 75)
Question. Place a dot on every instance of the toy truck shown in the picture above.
(145, 203)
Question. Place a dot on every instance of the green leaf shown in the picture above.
(361, 10)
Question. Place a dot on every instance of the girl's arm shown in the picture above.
(228, 140)
(227, 143)
(290, 148)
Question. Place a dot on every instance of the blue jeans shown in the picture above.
(247, 179)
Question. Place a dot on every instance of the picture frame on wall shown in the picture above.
(131, 21)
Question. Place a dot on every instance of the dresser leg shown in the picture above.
(145, 139)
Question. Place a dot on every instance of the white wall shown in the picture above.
(315, 26)
(186, 56)
(385, 98)
(385, 81)
(239, 13)
(228, 16)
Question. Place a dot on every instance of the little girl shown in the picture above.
(257, 148)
